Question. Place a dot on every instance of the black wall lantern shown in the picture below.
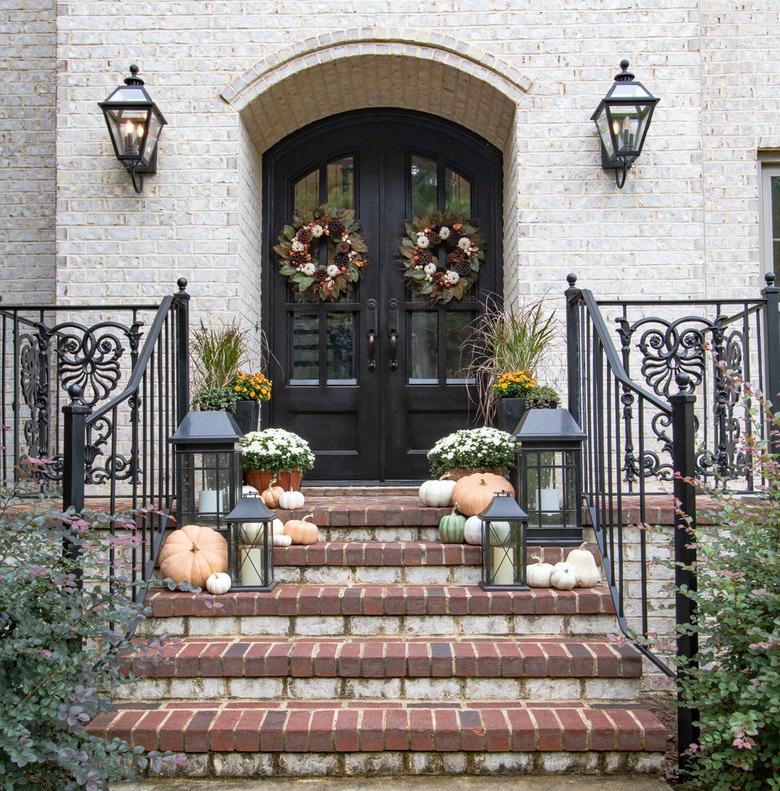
(622, 120)
(134, 122)
(250, 545)
(504, 526)
(549, 475)
(208, 468)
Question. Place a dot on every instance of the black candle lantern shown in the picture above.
(504, 526)
(208, 468)
(549, 475)
(250, 545)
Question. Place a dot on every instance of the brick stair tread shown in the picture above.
(398, 553)
(357, 511)
(376, 726)
(289, 600)
(366, 657)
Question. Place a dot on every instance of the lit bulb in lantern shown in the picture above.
(139, 130)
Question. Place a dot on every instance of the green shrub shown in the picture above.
(736, 687)
(61, 651)
(542, 397)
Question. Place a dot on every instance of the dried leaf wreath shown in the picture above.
(299, 251)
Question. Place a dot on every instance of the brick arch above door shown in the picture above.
(364, 68)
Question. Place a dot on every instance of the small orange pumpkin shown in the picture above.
(474, 493)
(192, 554)
(272, 494)
(302, 531)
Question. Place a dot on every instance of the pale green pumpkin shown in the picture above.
(452, 527)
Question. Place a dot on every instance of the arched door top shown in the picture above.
(374, 68)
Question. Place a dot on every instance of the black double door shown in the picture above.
(374, 379)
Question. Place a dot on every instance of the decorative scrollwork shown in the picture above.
(670, 347)
(90, 356)
(114, 465)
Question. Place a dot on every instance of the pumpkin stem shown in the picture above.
(538, 557)
(583, 545)
(195, 547)
(308, 516)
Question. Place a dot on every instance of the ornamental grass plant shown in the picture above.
(735, 685)
(63, 647)
(505, 340)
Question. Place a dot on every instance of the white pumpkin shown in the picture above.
(563, 577)
(584, 564)
(472, 533)
(436, 494)
(218, 583)
(281, 540)
(252, 532)
(291, 500)
(538, 574)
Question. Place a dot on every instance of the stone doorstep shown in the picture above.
(362, 726)
(291, 600)
(401, 553)
(347, 657)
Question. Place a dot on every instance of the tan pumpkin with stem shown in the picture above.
(272, 494)
(474, 493)
(302, 531)
(192, 554)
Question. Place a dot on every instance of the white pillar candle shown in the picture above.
(503, 566)
(550, 500)
(251, 565)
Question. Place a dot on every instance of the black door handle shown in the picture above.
(392, 332)
(371, 308)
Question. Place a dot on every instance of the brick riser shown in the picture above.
(338, 738)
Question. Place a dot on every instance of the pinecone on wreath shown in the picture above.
(336, 229)
(321, 274)
(304, 235)
(298, 260)
(341, 259)
(424, 258)
(458, 262)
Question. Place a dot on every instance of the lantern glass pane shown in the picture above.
(152, 136)
(506, 553)
(551, 488)
(128, 129)
(208, 487)
(602, 125)
(249, 554)
(628, 125)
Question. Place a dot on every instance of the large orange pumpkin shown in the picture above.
(192, 554)
(474, 493)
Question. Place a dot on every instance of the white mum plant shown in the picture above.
(477, 448)
(275, 449)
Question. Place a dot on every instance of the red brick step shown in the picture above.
(351, 726)
(255, 657)
(398, 553)
(293, 600)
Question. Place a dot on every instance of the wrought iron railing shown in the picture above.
(122, 448)
(660, 396)
(89, 396)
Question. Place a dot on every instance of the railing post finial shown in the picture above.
(75, 392)
(182, 283)
(571, 279)
(684, 382)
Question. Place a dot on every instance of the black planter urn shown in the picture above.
(247, 415)
(508, 413)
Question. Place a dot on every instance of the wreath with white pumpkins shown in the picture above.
(299, 253)
(441, 278)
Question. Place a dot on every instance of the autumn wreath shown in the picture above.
(430, 277)
(299, 251)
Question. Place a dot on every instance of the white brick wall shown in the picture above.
(233, 76)
(27, 143)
